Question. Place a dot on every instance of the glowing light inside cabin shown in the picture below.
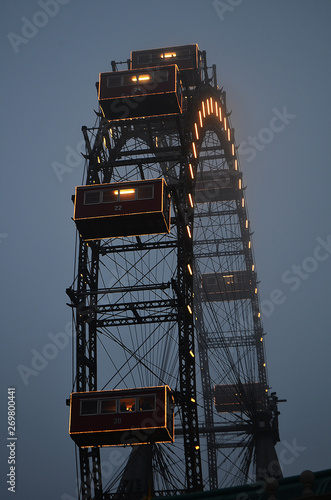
(141, 78)
(125, 191)
(168, 55)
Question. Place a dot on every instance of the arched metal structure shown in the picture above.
(179, 307)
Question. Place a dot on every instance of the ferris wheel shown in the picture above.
(169, 364)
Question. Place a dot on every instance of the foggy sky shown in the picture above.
(273, 60)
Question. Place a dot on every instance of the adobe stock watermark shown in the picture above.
(278, 122)
(287, 454)
(40, 358)
(30, 27)
(3, 236)
(72, 160)
(222, 8)
(109, 467)
(296, 275)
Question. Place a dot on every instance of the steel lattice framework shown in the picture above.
(142, 312)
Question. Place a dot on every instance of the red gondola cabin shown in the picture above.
(122, 417)
(223, 185)
(122, 209)
(140, 93)
(229, 398)
(187, 58)
(228, 286)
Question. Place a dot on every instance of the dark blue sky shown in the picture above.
(273, 59)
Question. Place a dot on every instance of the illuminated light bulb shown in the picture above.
(203, 109)
(232, 149)
(261, 339)
(99, 161)
(168, 55)
(216, 109)
(239, 183)
(190, 199)
(196, 131)
(194, 150)
(189, 308)
(189, 269)
(253, 267)
(105, 143)
(193, 400)
(208, 107)
(197, 447)
(236, 164)
(127, 191)
(220, 113)
(191, 171)
(264, 365)
(243, 202)
(255, 291)
(229, 134)
(249, 244)
(225, 124)
(189, 231)
(246, 225)
(259, 315)
(200, 119)
(192, 354)
(266, 390)
(144, 78)
(211, 105)
(141, 78)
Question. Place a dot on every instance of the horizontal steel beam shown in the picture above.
(160, 318)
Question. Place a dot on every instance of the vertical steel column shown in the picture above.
(186, 337)
(86, 357)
